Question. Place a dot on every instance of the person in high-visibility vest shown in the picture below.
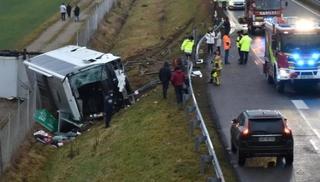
(216, 70)
(226, 45)
(245, 45)
(240, 32)
(187, 46)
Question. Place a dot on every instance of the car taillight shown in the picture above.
(287, 132)
(245, 133)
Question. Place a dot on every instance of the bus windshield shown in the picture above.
(268, 4)
(297, 42)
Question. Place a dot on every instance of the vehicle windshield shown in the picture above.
(95, 74)
(298, 42)
(264, 126)
(268, 4)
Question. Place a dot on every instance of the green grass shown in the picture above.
(18, 19)
(147, 142)
(150, 20)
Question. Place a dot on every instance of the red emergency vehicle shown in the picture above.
(257, 10)
(292, 51)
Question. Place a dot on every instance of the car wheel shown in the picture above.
(241, 158)
(279, 160)
(289, 159)
(233, 148)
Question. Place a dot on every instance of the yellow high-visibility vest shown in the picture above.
(238, 41)
(245, 43)
(187, 45)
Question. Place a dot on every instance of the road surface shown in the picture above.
(244, 87)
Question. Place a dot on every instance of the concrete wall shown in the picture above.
(8, 77)
(15, 116)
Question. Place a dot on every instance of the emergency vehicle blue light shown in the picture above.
(295, 56)
(268, 19)
(311, 62)
(300, 63)
(315, 56)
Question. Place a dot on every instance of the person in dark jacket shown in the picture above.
(69, 8)
(165, 76)
(226, 26)
(178, 79)
(108, 107)
(76, 12)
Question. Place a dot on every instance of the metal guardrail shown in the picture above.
(204, 137)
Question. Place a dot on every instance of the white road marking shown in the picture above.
(300, 4)
(300, 104)
(308, 123)
(235, 25)
(313, 143)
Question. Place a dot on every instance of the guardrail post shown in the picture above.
(192, 124)
(191, 109)
(198, 141)
(204, 161)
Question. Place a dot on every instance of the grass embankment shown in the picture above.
(146, 25)
(19, 19)
(152, 23)
(147, 142)
(149, 32)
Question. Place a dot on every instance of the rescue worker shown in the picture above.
(187, 46)
(108, 107)
(178, 79)
(226, 45)
(240, 32)
(165, 76)
(216, 70)
(210, 36)
(245, 44)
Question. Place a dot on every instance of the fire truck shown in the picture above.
(292, 51)
(257, 10)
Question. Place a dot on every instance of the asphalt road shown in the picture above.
(244, 87)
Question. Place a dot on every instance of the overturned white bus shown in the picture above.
(72, 80)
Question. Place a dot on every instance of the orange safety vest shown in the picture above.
(226, 42)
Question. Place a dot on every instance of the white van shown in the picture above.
(236, 4)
